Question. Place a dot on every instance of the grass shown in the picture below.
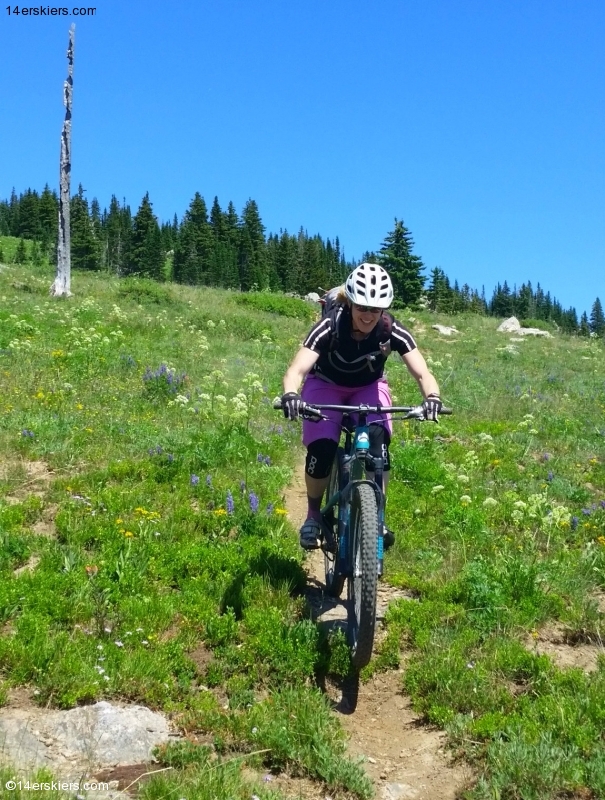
(145, 412)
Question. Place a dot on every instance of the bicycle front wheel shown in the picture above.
(363, 578)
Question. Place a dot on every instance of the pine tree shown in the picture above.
(85, 250)
(48, 209)
(21, 253)
(252, 249)
(145, 255)
(13, 214)
(194, 246)
(584, 326)
(29, 215)
(597, 319)
(403, 266)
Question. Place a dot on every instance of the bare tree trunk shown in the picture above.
(61, 286)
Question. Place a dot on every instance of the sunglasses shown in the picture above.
(365, 309)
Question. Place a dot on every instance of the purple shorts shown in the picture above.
(315, 390)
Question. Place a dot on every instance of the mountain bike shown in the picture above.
(353, 520)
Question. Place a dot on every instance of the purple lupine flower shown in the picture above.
(253, 499)
(550, 477)
(546, 457)
(230, 505)
(159, 450)
(267, 460)
(260, 458)
(270, 508)
(587, 512)
(27, 434)
(279, 430)
(194, 480)
(574, 523)
(208, 480)
(170, 458)
(602, 503)
(242, 486)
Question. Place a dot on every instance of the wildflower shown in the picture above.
(194, 480)
(270, 508)
(118, 643)
(520, 504)
(465, 499)
(550, 477)
(574, 523)
(463, 479)
(490, 502)
(220, 512)
(546, 456)
(602, 503)
(281, 511)
(436, 489)
(27, 434)
(242, 486)
(91, 570)
(253, 499)
(230, 505)
(128, 534)
(208, 480)
(586, 511)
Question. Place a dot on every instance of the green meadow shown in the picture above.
(145, 553)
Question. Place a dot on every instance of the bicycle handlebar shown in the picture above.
(313, 412)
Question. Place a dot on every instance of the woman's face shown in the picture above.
(364, 317)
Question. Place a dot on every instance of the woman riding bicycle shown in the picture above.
(342, 362)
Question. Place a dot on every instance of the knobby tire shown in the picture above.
(363, 580)
(334, 581)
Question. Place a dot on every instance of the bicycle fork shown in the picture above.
(375, 465)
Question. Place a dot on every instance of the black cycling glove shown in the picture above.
(292, 404)
(432, 407)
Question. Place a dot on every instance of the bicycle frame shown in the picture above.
(356, 458)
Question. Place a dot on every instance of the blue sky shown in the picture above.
(481, 124)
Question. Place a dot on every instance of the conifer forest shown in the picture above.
(229, 249)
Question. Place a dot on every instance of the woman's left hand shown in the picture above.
(432, 407)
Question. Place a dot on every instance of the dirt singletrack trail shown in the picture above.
(405, 758)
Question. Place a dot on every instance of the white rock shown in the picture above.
(534, 332)
(445, 330)
(510, 325)
(312, 297)
(81, 739)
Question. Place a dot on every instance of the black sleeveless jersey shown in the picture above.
(347, 362)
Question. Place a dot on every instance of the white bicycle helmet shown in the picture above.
(369, 285)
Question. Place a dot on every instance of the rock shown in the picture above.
(510, 325)
(312, 297)
(534, 332)
(80, 740)
(444, 329)
(399, 791)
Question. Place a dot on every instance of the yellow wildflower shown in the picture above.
(220, 512)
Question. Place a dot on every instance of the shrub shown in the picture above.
(278, 304)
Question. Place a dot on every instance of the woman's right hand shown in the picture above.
(291, 403)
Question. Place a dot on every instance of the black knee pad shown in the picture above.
(380, 439)
(320, 457)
